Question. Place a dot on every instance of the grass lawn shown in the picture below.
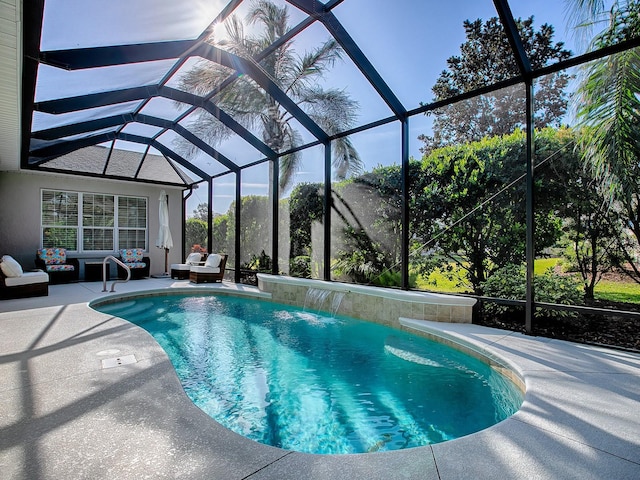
(541, 265)
(440, 282)
(628, 291)
(615, 291)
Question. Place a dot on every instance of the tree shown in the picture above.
(195, 234)
(202, 212)
(472, 211)
(219, 232)
(484, 60)
(306, 205)
(590, 227)
(367, 225)
(297, 76)
(608, 110)
(255, 226)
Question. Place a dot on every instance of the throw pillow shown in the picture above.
(10, 267)
(213, 261)
(194, 258)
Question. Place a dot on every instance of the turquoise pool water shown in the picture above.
(313, 383)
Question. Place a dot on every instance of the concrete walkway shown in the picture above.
(64, 416)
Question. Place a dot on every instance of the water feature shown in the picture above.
(335, 303)
(316, 298)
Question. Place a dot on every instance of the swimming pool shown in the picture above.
(315, 383)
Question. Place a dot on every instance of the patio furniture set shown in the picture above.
(54, 266)
(210, 270)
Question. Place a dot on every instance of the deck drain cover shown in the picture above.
(116, 362)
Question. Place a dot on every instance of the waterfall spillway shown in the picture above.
(335, 303)
(316, 298)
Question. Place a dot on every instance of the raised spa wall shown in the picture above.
(377, 304)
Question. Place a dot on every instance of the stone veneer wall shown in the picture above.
(377, 304)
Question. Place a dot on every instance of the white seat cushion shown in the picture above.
(27, 278)
(180, 266)
(201, 269)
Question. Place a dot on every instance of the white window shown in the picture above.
(102, 222)
(98, 215)
(59, 219)
(132, 222)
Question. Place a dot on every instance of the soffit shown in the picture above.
(10, 60)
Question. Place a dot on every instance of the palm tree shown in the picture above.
(297, 76)
(609, 109)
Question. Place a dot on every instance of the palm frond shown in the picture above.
(609, 112)
(206, 128)
(313, 64)
(346, 159)
(203, 77)
(583, 12)
(275, 19)
(289, 166)
(332, 109)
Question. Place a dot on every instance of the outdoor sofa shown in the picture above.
(16, 283)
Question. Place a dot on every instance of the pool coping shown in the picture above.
(64, 415)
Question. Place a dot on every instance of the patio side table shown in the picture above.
(93, 272)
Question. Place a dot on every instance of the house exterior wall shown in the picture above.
(20, 213)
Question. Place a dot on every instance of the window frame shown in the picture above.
(140, 202)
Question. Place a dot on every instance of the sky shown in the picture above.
(407, 41)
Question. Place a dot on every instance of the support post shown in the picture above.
(237, 226)
(404, 249)
(328, 202)
(275, 220)
(210, 216)
(530, 246)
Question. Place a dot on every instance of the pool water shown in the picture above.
(313, 383)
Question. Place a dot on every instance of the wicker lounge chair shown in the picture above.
(212, 270)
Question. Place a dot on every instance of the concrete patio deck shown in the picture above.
(64, 416)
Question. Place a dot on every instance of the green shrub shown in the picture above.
(300, 266)
(509, 282)
(390, 278)
(260, 263)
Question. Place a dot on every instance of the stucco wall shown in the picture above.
(20, 212)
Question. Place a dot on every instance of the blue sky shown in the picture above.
(407, 41)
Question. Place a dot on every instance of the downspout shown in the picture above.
(184, 217)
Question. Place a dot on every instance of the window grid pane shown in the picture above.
(132, 212)
(60, 237)
(59, 208)
(132, 239)
(97, 239)
(59, 211)
(97, 210)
